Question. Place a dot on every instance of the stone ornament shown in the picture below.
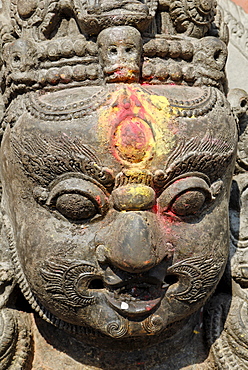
(238, 25)
(237, 20)
(193, 18)
(117, 156)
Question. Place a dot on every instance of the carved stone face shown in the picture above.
(118, 218)
(120, 50)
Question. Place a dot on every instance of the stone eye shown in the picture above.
(185, 197)
(189, 203)
(129, 49)
(75, 207)
(113, 50)
(77, 199)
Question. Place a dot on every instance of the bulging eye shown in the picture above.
(185, 197)
(75, 206)
(113, 50)
(77, 199)
(189, 203)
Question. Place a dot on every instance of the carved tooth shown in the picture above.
(124, 306)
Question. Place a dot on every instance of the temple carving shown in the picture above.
(123, 166)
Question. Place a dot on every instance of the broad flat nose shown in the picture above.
(136, 247)
(122, 54)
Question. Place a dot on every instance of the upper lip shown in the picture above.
(135, 280)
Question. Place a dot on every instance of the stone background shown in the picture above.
(243, 3)
(237, 20)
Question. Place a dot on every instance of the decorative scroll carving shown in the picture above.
(153, 324)
(192, 17)
(116, 330)
(15, 340)
(71, 156)
(237, 21)
(226, 332)
(197, 155)
(200, 273)
(68, 282)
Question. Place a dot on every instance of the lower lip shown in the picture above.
(132, 308)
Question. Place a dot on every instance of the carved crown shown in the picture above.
(53, 43)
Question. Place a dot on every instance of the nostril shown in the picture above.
(96, 284)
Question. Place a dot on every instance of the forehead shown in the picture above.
(119, 35)
(114, 128)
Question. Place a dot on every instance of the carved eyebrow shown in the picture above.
(44, 157)
(209, 156)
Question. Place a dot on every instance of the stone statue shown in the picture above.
(117, 155)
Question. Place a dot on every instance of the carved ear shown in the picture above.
(7, 282)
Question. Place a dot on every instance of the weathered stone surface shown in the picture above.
(117, 157)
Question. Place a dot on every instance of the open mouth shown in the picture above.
(80, 284)
(136, 297)
(133, 297)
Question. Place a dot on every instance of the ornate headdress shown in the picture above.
(52, 44)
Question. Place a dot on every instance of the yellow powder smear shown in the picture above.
(155, 128)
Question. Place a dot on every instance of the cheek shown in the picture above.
(109, 59)
(206, 235)
(41, 236)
